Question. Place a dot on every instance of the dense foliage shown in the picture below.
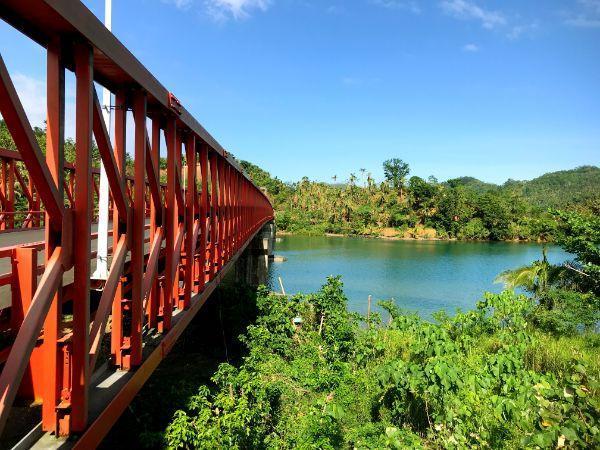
(483, 379)
(461, 208)
(567, 295)
(515, 372)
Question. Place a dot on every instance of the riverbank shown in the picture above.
(388, 237)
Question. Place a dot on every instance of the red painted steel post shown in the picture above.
(223, 188)
(3, 192)
(119, 152)
(179, 215)
(238, 200)
(197, 270)
(55, 86)
(246, 210)
(23, 288)
(221, 207)
(155, 220)
(204, 217)
(81, 231)
(33, 220)
(170, 226)
(236, 185)
(137, 231)
(190, 158)
(227, 215)
(228, 235)
(11, 194)
(214, 222)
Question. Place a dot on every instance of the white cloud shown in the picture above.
(335, 9)
(180, 4)
(586, 15)
(519, 30)
(32, 93)
(407, 5)
(236, 9)
(592, 5)
(472, 48)
(583, 22)
(467, 10)
(222, 10)
(351, 81)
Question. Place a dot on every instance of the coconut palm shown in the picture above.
(535, 278)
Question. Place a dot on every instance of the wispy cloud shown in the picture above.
(519, 30)
(180, 4)
(585, 15)
(32, 93)
(351, 81)
(468, 10)
(237, 9)
(221, 10)
(335, 9)
(471, 48)
(407, 5)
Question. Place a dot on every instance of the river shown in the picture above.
(422, 276)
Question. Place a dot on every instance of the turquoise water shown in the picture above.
(423, 276)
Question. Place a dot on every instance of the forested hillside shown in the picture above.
(412, 207)
(577, 188)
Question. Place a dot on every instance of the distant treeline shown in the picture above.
(407, 206)
(411, 207)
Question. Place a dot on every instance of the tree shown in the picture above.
(396, 171)
(580, 236)
(495, 213)
(535, 278)
(421, 194)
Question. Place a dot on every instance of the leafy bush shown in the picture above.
(474, 230)
(566, 312)
(482, 379)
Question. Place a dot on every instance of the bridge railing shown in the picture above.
(198, 224)
(20, 205)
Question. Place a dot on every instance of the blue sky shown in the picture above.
(492, 89)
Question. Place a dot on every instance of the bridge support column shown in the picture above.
(252, 267)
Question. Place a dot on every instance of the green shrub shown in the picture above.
(479, 379)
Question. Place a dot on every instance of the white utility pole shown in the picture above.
(101, 272)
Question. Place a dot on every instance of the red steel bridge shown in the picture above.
(82, 348)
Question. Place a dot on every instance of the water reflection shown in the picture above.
(424, 276)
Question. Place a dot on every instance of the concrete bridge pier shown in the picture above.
(252, 267)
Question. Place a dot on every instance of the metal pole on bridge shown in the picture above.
(101, 272)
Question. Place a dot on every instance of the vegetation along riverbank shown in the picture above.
(518, 371)
(410, 207)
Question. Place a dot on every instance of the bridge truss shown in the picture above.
(59, 326)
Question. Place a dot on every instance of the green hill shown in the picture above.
(578, 187)
(473, 183)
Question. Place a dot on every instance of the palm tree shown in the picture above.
(535, 278)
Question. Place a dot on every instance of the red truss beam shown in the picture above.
(201, 220)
